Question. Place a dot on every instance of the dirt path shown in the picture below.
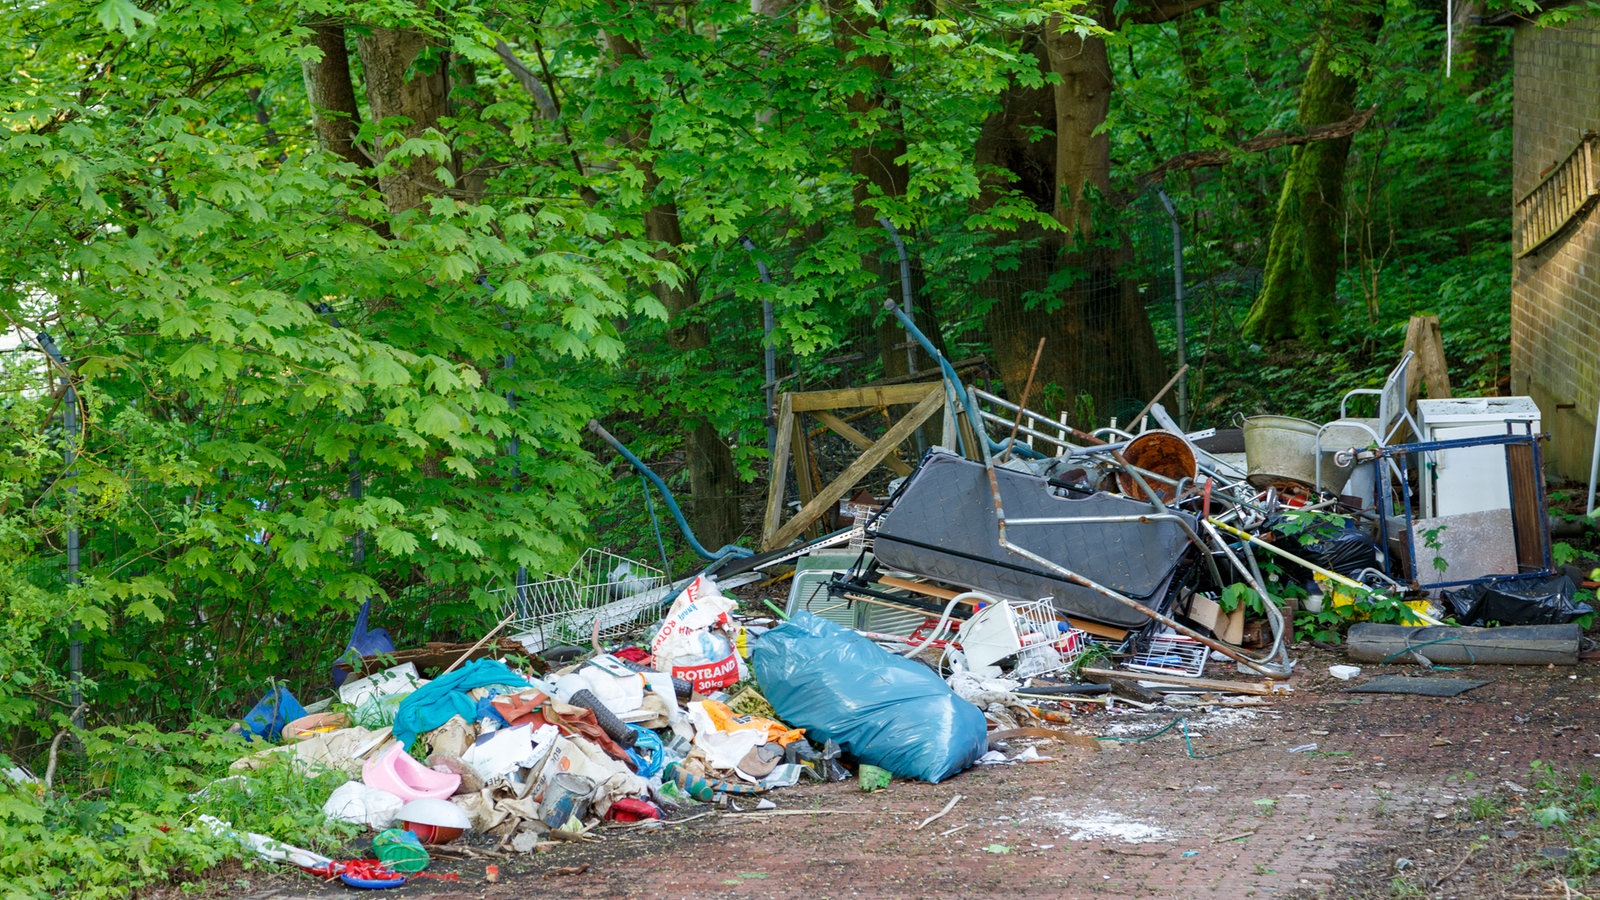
(1250, 813)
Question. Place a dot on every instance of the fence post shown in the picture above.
(1177, 305)
(69, 457)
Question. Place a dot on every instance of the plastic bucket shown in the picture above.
(566, 798)
(872, 778)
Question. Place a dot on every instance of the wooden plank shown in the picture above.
(862, 442)
(1425, 338)
(1094, 628)
(779, 476)
(881, 395)
(805, 476)
(1260, 688)
(1530, 645)
(814, 508)
(1527, 518)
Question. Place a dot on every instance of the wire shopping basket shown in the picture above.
(604, 594)
(1026, 634)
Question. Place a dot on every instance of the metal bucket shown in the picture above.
(1164, 453)
(1280, 448)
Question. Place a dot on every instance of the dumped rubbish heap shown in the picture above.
(1003, 588)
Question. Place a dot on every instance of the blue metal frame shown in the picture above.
(1402, 453)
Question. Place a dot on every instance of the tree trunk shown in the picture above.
(877, 170)
(387, 54)
(1302, 269)
(1066, 286)
(335, 117)
(713, 480)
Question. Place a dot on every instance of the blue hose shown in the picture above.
(729, 551)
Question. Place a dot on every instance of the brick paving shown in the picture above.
(1246, 818)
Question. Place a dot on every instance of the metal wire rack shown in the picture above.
(603, 592)
(1027, 635)
(1171, 654)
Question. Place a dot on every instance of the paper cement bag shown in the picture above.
(694, 643)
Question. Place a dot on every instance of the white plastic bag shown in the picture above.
(693, 643)
(355, 802)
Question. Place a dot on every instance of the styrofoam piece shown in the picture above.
(402, 679)
(1344, 673)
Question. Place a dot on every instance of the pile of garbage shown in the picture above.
(999, 590)
(525, 755)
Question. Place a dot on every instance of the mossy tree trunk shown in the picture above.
(1303, 253)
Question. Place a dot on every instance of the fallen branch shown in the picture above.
(940, 814)
(1196, 159)
(1233, 837)
(1455, 868)
(55, 747)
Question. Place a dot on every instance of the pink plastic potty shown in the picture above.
(395, 771)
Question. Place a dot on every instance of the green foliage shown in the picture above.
(125, 814)
(1570, 806)
(279, 372)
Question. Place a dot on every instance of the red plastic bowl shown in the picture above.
(432, 834)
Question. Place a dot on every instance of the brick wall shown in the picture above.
(1555, 293)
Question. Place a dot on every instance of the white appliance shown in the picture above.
(1469, 479)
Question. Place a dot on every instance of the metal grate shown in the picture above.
(604, 593)
(1171, 654)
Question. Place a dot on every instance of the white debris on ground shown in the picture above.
(1095, 826)
(1212, 720)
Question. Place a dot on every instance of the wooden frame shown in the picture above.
(793, 446)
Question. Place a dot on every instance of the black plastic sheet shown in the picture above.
(1519, 601)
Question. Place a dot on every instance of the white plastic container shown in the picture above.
(1469, 479)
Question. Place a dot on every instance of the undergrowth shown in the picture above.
(1569, 806)
(123, 811)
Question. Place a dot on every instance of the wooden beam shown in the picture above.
(882, 395)
(805, 476)
(813, 509)
(862, 442)
(779, 473)
(1426, 340)
(1262, 688)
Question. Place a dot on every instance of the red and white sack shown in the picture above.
(694, 642)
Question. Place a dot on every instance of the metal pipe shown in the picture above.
(69, 458)
(1326, 573)
(1594, 461)
(1146, 518)
(905, 287)
(514, 449)
(951, 379)
(1177, 305)
(1012, 407)
(728, 551)
(769, 361)
(1132, 604)
(1252, 577)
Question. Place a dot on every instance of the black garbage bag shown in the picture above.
(1517, 601)
(1346, 551)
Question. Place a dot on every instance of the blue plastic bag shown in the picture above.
(364, 641)
(883, 709)
(267, 718)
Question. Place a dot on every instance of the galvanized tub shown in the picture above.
(1280, 448)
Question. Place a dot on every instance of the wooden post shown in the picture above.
(1426, 340)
